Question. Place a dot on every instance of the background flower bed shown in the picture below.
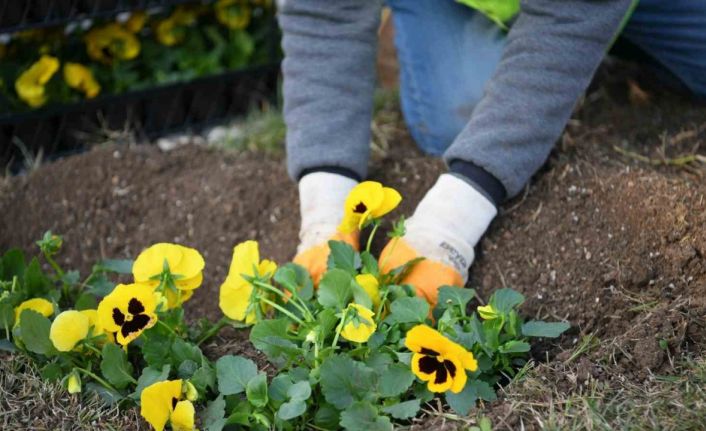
(593, 219)
(157, 70)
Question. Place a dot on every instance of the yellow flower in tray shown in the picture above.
(360, 324)
(79, 77)
(234, 14)
(40, 305)
(111, 42)
(438, 360)
(162, 402)
(127, 311)
(30, 86)
(184, 266)
(367, 201)
(136, 22)
(236, 291)
(172, 30)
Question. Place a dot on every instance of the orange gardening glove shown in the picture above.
(425, 276)
(315, 259)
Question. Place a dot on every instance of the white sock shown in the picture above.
(449, 222)
(322, 196)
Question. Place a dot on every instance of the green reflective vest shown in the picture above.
(502, 11)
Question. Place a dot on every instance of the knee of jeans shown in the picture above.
(435, 127)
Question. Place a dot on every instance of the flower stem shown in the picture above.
(339, 328)
(392, 250)
(376, 225)
(54, 265)
(165, 326)
(98, 379)
(294, 300)
(217, 328)
(281, 309)
(93, 348)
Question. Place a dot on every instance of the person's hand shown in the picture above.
(445, 227)
(315, 258)
(322, 196)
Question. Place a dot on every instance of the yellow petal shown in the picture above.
(189, 283)
(182, 418)
(246, 257)
(150, 262)
(234, 298)
(190, 265)
(459, 380)
(117, 303)
(350, 223)
(364, 197)
(74, 384)
(370, 285)
(267, 267)
(156, 402)
(391, 200)
(68, 328)
(40, 305)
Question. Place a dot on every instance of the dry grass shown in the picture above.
(29, 403)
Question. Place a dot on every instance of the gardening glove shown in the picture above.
(444, 229)
(322, 196)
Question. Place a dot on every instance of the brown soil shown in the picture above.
(615, 245)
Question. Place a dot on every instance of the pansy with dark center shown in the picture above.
(430, 363)
(134, 321)
(360, 208)
(128, 310)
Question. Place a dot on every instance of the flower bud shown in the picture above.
(191, 393)
(73, 383)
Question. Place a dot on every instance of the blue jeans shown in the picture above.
(447, 53)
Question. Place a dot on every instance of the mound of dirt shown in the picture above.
(613, 244)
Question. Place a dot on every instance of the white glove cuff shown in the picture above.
(321, 199)
(449, 222)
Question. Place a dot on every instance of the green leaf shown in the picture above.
(342, 256)
(35, 332)
(13, 265)
(361, 297)
(463, 401)
(115, 367)
(119, 266)
(187, 369)
(86, 301)
(514, 346)
(110, 396)
(369, 263)
(100, 286)
(7, 346)
(505, 299)
(291, 409)
(327, 416)
(455, 296)
(256, 390)
(408, 310)
(184, 351)
(266, 336)
(7, 315)
(149, 376)
(204, 378)
(404, 410)
(52, 372)
(335, 289)
(300, 391)
(537, 328)
(35, 282)
(213, 418)
(295, 278)
(234, 373)
(155, 349)
(240, 414)
(279, 386)
(344, 380)
(362, 416)
(395, 381)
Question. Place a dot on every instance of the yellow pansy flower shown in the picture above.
(370, 285)
(97, 329)
(236, 292)
(184, 264)
(172, 30)
(360, 326)
(487, 312)
(234, 14)
(136, 22)
(73, 383)
(111, 42)
(162, 402)
(79, 77)
(438, 360)
(67, 329)
(367, 201)
(30, 86)
(127, 311)
(40, 305)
